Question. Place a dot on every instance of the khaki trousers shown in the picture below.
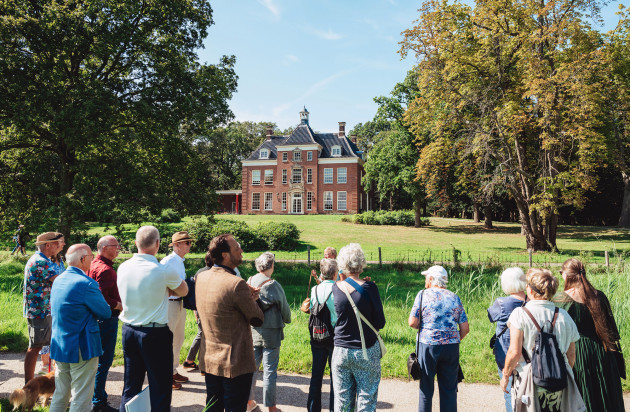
(76, 379)
(177, 325)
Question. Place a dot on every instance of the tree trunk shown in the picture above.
(417, 209)
(391, 201)
(552, 232)
(476, 212)
(624, 218)
(65, 202)
(487, 214)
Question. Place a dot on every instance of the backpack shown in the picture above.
(319, 323)
(549, 369)
(189, 300)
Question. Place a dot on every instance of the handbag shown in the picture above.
(306, 304)
(360, 317)
(413, 365)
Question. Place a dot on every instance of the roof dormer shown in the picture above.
(335, 151)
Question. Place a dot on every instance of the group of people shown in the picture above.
(240, 326)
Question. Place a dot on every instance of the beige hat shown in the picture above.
(180, 237)
(48, 237)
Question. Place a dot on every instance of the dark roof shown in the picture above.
(302, 135)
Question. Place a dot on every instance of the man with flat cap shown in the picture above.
(39, 274)
(181, 243)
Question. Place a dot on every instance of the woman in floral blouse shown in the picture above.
(442, 324)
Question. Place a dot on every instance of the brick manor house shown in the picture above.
(304, 173)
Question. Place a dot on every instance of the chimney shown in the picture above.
(353, 138)
(269, 132)
(342, 129)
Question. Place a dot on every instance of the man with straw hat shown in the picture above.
(181, 243)
(39, 274)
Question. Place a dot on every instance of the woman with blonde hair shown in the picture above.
(596, 370)
(513, 283)
(541, 287)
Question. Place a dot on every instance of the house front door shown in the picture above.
(296, 203)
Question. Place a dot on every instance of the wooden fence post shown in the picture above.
(530, 258)
(308, 251)
(380, 258)
(607, 259)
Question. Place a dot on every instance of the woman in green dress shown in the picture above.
(596, 373)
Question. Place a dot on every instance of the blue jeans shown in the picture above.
(321, 355)
(109, 333)
(442, 360)
(148, 351)
(227, 394)
(269, 359)
(507, 396)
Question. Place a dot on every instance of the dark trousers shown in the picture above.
(150, 351)
(109, 332)
(321, 355)
(442, 360)
(229, 394)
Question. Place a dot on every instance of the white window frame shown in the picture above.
(284, 200)
(309, 201)
(284, 176)
(285, 157)
(309, 156)
(297, 155)
(264, 154)
(328, 175)
(335, 151)
(268, 201)
(268, 176)
(345, 175)
(345, 201)
(256, 177)
(293, 175)
(309, 175)
(254, 199)
(328, 200)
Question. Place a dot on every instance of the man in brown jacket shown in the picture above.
(227, 307)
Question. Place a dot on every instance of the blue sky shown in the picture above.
(333, 57)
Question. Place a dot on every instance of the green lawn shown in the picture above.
(434, 243)
(398, 285)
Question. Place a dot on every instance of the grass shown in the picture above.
(398, 284)
(439, 242)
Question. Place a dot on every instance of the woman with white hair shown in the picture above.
(513, 283)
(438, 313)
(268, 337)
(356, 359)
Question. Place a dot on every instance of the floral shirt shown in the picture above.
(37, 273)
(442, 312)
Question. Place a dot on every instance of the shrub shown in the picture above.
(169, 216)
(278, 235)
(383, 217)
(83, 237)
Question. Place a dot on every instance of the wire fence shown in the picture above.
(454, 256)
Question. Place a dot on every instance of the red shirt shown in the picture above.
(103, 272)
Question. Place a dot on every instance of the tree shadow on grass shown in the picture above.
(11, 341)
(476, 229)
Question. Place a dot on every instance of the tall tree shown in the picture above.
(111, 94)
(520, 79)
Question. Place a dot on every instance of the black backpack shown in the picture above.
(319, 323)
(549, 369)
(189, 300)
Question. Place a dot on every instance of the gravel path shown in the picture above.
(394, 395)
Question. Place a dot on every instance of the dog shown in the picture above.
(27, 397)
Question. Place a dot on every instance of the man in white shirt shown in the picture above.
(144, 286)
(181, 243)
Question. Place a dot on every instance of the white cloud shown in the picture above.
(269, 5)
(311, 90)
(292, 57)
(327, 35)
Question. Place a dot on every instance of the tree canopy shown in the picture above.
(100, 102)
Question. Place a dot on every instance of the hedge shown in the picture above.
(384, 217)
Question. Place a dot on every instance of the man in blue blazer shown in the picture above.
(76, 304)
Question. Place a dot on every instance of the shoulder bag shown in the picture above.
(360, 317)
(413, 365)
(306, 304)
